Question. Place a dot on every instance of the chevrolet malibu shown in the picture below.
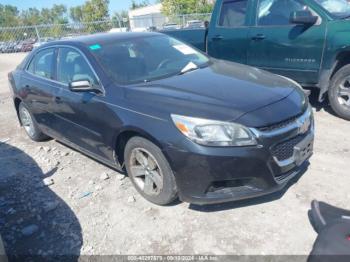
(179, 123)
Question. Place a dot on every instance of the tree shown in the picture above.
(59, 14)
(8, 15)
(122, 18)
(31, 16)
(175, 7)
(135, 5)
(76, 13)
(55, 15)
(95, 10)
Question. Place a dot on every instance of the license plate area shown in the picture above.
(304, 150)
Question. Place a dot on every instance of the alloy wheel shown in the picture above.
(343, 93)
(27, 121)
(146, 172)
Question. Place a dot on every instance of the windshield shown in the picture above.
(147, 58)
(338, 8)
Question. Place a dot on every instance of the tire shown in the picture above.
(146, 165)
(340, 104)
(30, 125)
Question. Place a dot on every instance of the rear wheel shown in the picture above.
(29, 124)
(339, 92)
(149, 171)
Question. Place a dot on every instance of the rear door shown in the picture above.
(229, 30)
(288, 49)
(38, 87)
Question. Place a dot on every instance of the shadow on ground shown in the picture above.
(35, 223)
(315, 103)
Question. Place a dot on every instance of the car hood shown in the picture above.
(223, 91)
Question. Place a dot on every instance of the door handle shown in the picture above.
(258, 37)
(217, 38)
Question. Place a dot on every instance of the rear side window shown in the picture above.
(233, 13)
(72, 66)
(277, 12)
(41, 64)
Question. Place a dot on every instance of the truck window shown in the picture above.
(233, 13)
(277, 12)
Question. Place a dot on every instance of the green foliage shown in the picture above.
(122, 18)
(176, 7)
(95, 10)
(8, 15)
(135, 5)
(76, 13)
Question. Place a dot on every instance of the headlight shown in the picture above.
(214, 133)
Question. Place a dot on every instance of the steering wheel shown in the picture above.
(163, 63)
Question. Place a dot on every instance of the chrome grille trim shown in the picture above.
(297, 124)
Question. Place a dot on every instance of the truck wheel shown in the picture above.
(30, 125)
(339, 92)
(149, 171)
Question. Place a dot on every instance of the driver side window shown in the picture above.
(277, 12)
(72, 66)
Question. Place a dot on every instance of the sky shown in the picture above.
(115, 5)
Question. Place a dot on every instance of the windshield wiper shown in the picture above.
(187, 71)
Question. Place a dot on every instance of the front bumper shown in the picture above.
(209, 175)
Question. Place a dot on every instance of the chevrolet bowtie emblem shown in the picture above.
(304, 125)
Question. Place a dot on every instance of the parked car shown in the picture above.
(306, 41)
(28, 45)
(43, 41)
(19, 46)
(194, 24)
(182, 123)
(9, 47)
(171, 26)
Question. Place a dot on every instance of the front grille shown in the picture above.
(279, 125)
(285, 150)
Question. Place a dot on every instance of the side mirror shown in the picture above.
(303, 18)
(83, 86)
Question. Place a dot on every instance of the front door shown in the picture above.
(228, 32)
(82, 116)
(287, 49)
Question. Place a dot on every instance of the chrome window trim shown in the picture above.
(103, 90)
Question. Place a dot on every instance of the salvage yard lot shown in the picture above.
(91, 209)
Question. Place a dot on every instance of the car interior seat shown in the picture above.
(333, 227)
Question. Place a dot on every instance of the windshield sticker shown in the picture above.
(186, 50)
(95, 47)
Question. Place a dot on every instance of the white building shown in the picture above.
(143, 18)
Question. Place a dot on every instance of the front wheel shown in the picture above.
(149, 171)
(29, 124)
(339, 92)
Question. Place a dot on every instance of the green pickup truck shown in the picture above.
(305, 40)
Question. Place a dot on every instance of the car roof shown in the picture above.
(101, 38)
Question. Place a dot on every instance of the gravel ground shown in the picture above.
(55, 200)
